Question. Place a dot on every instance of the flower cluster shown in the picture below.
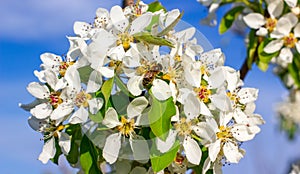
(150, 92)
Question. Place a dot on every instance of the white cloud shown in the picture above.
(31, 19)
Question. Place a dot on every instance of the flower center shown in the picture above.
(183, 127)
(290, 40)
(82, 99)
(203, 93)
(271, 24)
(127, 126)
(55, 99)
(63, 67)
(125, 39)
(58, 129)
(224, 133)
(116, 64)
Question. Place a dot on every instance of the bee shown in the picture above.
(149, 75)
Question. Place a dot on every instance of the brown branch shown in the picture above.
(126, 3)
(244, 69)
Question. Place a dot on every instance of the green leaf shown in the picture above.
(120, 101)
(294, 69)
(160, 116)
(106, 90)
(75, 132)
(156, 6)
(171, 26)
(148, 38)
(58, 152)
(228, 19)
(88, 157)
(123, 88)
(160, 161)
(97, 118)
(85, 73)
(251, 50)
(264, 58)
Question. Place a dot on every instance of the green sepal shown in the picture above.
(171, 26)
(148, 38)
(156, 6)
(160, 116)
(228, 18)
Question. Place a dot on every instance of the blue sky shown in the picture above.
(33, 27)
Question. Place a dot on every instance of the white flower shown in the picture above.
(81, 99)
(126, 129)
(56, 103)
(224, 138)
(183, 129)
(50, 131)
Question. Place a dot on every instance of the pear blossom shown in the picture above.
(262, 24)
(126, 128)
(284, 40)
(183, 129)
(51, 130)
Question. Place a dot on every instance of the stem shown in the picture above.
(244, 69)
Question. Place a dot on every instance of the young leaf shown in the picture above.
(228, 19)
(251, 50)
(147, 38)
(160, 161)
(160, 116)
(106, 90)
(156, 6)
(264, 58)
(171, 26)
(88, 157)
(75, 132)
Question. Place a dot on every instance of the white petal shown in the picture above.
(161, 90)
(82, 28)
(275, 8)
(111, 118)
(35, 123)
(73, 78)
(254, 20)
(107, 72)
(140, 23)
(242, 132)
(248, 95)
(165, 146)
(221, 101)
(41, 111)
(48, 151)
(136, 107)
(118, 19)
(135, 86)
(38, 90)
(171, 16)
(285, 56)
(139, 148)
(231, 152)
(185, 35)
(298, 46)
(204, 109)
(205, 132)
(283, 26)
(95, 82)
(192, 107)
(192, 150)
(262, 31)
(217, 78)
(297, 30)
(291, 3)
(273, 46)
(64, 142)
(50, 59)
(61, 111)
(214, 149)
(117, 53)
(95, 105)
(79, 116)
(206, 165)
(51, 78)
(112, 147)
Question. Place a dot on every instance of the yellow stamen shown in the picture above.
(183, 127)
(127, 126)
(271, 24)
(224, 133)
(203, 93)
(290, 41)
